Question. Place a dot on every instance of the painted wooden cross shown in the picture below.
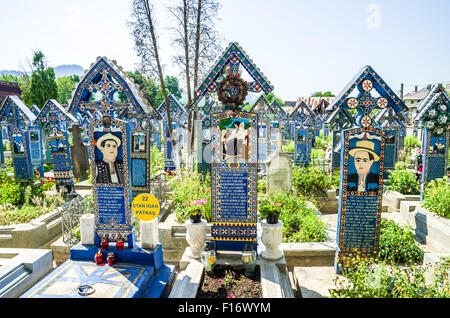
(361, 168)
(365, 103)
(433, 117)
(233, 136)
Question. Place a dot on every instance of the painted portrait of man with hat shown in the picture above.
(109, 169)
(364, 156)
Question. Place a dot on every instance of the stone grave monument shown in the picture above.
(79, 153)
(279, 171)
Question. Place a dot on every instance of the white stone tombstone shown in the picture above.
(87, 229)
(149, 233)
(279, 172)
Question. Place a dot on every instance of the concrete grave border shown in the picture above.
(431, 229)
(21, 268)
(275, 282)
(37, 233)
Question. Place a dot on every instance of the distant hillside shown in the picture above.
(60, 71)
(10, 72)
(67, 70)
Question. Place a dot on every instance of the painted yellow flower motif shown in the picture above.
(211, 260)
(246, 259)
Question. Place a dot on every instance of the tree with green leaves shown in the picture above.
(323, 94)
(271, 97)
(42, 82)
(66, 85)
(173, 86)
(10, 78)
(152, 90)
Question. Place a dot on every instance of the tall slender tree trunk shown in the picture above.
(197, 46)
(196, 60)
(186, 50)
(188, 82)
(163, 85)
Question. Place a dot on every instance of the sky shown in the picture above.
(300, 46)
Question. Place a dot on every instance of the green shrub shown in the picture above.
(411, 142)
(369, 279)
(301, 222)
(19, 204)
(397, 244)
(311, 182)
(191, 186)
(335, 179)
(322, 142)
(156, 159)
(403, 181)
(6, 146)
(269, 205)
(317, 153)
(437, 197)
(10, 191)
(48, 167)
(262, 185)
(11, 214)
(290, 147)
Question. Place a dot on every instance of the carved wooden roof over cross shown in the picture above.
(175, 108)
(106, 88)
(340, 119)
(303, 114)
(425, 104)
(262, 108)
(52, 114)
(368, 81)
(321, 118)
(230, 63)
(389, 118)
(280, 114)
(13, 111)
(235, 57)
(433, 111)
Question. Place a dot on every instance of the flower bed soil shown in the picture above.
(214, 284)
